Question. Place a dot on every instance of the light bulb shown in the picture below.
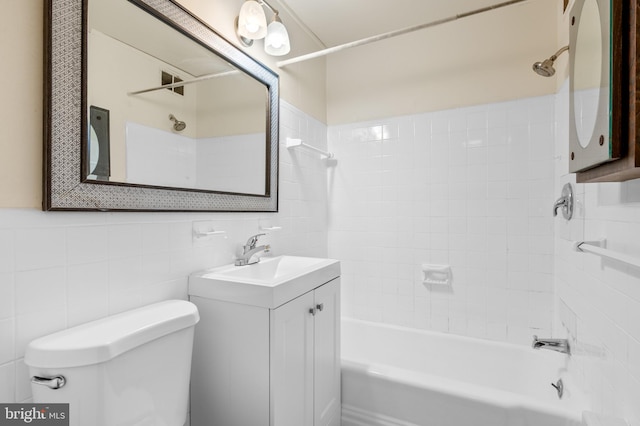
(252, 27)
(277, 41)
(252, 22)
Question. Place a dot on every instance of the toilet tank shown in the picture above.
(132, 368)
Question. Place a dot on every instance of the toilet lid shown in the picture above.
(106, 338)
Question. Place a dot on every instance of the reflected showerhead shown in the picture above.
(545, 68)
(178, 125)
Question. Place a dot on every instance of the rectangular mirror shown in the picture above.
(150, 109)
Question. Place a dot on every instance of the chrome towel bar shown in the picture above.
(598, 248)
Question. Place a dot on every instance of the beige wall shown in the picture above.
(21, 103)
(21, 23)
(480, 59)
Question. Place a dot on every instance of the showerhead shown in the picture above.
(178, 125)
(545, 68)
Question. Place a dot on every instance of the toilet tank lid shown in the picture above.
(106, 338)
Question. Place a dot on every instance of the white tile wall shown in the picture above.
(62, 269)
(598, 300)
(472, 188)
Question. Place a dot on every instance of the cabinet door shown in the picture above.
(292, 363)
(327, 355)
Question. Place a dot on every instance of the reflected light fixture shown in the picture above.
(251, 24)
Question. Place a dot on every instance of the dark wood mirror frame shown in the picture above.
(66, 120)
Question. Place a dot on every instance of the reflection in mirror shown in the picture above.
(594, 129)
(145, 72)
(588, 62)
(99, 157)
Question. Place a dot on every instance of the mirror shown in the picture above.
(593, 138)
(588, 61)
(172, 116)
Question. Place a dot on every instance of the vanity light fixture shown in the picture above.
(251, 24)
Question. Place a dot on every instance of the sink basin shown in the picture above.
(270, 283)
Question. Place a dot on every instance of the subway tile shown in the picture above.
(86, 244)
(7, 337)
(39, 248)
(7, 255)
(23, 382)
(7, 293)
(155, 237)
(87, 292)
(40, 290)
(7, 383)
(125, 240)
(478, 119)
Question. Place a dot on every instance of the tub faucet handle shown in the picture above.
(565, 202)
(559, 387)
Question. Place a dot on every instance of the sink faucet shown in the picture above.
(558, 345)
(249, 250)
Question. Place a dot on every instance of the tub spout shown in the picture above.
(558, 345)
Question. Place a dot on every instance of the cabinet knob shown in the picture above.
(312, 311)
(320, 306)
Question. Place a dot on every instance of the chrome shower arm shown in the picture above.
(559, 52)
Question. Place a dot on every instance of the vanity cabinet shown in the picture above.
(268, 366)
(305, 361)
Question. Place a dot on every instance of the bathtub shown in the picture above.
(399, 376)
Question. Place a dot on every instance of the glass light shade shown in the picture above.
(252, 22)
(277, 41)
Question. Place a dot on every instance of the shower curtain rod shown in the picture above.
(391, 34)
(186, 82)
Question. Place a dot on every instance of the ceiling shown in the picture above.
(335, 22)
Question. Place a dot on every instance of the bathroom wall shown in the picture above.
(61, 269)
(473, 61)
(598, 300)
(469, 187)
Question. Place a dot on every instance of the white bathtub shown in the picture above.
(398, 376)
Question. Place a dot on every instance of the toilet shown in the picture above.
(132, 368)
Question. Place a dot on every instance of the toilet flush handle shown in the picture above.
(55, 382)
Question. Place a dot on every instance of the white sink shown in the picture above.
(270, 283)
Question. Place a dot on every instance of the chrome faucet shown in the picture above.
(558, 345)
(249, 251)
(560, 202)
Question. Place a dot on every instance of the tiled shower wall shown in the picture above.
(471, 188)
(60, 269)
(598, 300)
